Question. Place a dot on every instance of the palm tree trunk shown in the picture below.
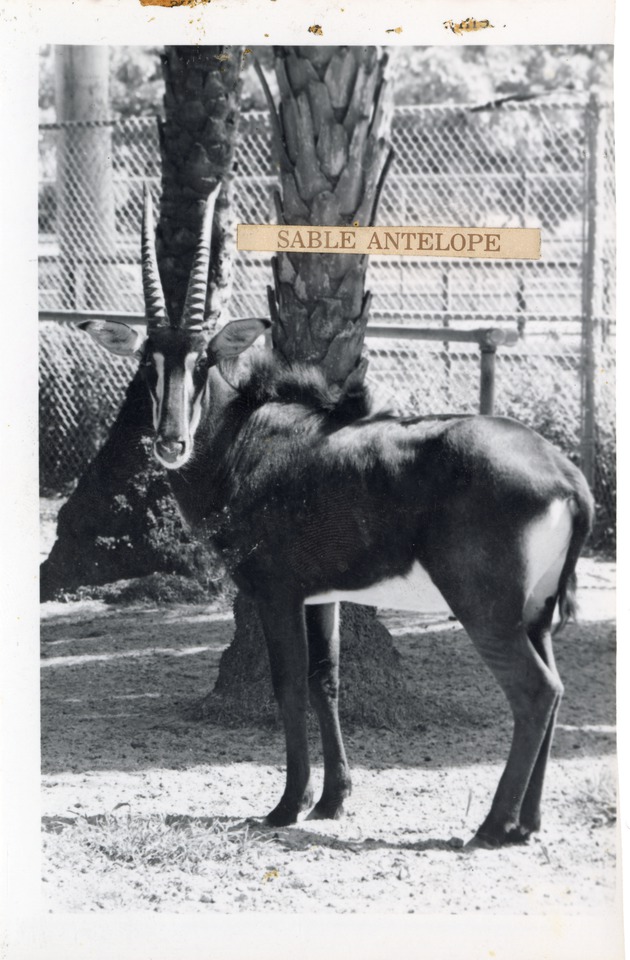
(121, 520)
(333, 159)
(328, 140)
(197, 141)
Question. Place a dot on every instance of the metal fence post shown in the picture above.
(589, 292)
(489, 340)
(487, 378)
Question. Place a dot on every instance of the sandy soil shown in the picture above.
(116, 685)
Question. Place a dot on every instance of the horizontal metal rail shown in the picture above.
(491, 337)
(413, 318)
(488, 339)
(76, 316)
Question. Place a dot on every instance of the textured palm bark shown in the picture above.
(328, 134)
(332, 156)
(121, 520)
(197, 141)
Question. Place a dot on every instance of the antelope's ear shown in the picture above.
(235, 337)
(117, 337)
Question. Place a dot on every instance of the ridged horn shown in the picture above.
(154, 303)
(195, 306)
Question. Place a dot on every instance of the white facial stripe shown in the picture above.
(189, 395)
(158, 360)
(185, 392)
(189, 366)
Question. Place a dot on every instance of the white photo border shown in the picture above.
(27, 933)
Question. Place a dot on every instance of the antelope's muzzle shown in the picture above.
(169, 452)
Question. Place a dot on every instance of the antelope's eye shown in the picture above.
(148, 371)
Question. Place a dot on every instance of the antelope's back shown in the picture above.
(364, 501)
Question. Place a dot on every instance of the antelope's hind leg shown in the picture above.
(533, 690)
(540, 636)
(284, 627)
(322, 628)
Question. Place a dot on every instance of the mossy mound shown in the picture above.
(121, 522)
(156, 588)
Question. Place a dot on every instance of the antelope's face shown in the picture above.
(176, 364)
(176, 358)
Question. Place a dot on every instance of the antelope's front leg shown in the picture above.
(322, 625)
(285, 632)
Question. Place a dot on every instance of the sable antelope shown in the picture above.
(313, 499)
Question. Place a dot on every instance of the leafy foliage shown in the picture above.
(471, 74)
(478, 74)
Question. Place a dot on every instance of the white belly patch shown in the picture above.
(545, 544)
(416, 591)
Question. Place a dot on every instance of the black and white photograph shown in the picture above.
(327, 540)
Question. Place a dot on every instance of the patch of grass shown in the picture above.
(159, 841)
(597, 799)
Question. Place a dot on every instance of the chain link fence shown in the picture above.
(545, 163)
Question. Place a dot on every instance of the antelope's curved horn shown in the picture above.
(195, 305)
(155, 305)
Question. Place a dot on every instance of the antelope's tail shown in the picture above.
(582, 508)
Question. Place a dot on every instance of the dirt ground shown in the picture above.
(145, 809)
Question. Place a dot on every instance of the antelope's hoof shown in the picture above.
(281, 816)
(327, 811)
(479, 842)
(485, 839)
(519, 834)
(287, 812)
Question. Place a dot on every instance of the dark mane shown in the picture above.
(272, 380)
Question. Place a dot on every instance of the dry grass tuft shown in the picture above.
(597, 799)
(183, 843)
